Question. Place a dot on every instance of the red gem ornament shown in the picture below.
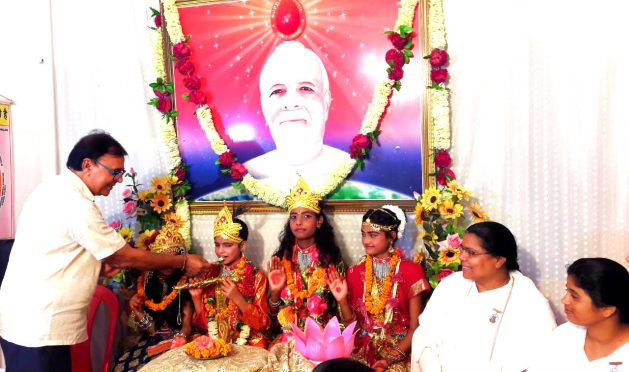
(288, 19)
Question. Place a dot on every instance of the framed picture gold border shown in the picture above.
(337, 206)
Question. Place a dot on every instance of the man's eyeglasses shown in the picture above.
(117, 173)
(472, 253)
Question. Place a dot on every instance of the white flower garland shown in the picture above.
(169, 137)
(245, 332)
(399, 213)
(439, 99)
(258, 188)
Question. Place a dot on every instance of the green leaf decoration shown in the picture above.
(360, 163)
(154, 12)
(406, 29)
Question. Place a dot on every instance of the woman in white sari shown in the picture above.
(596, 336)
(488, 317)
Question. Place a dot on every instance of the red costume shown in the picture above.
(252, 284)
(393, 322)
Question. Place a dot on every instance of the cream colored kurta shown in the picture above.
(462, 330)
(54, 265)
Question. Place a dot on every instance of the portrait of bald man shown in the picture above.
(295, 99)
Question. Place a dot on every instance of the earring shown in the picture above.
(391, 247)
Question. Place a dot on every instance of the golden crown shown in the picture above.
(225, 227)
(302, 196)
(168, 241)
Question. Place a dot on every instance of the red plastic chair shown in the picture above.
(81, 354)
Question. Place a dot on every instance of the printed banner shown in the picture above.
(6, 174)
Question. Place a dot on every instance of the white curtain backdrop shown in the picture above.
(540, 124)
(102, 68)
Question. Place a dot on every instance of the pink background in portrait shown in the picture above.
(6, 176)
(230, 43)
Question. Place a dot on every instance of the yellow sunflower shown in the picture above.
(458, 190)
(173, 218)
(161, 184)
(431, 199)
(418, 214)
(451, 210)
(449, 256)
(478, 215)
(419, 257)
(160, 203)
(428, 237)
(145, 194)
(126, 233)
(142, 238)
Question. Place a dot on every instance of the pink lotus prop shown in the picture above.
(320, 345)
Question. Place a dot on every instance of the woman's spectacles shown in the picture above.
(472, 253)
(117, 173)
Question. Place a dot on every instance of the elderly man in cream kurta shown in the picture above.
(295, 98)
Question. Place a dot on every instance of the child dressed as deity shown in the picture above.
(235, 308)
(297, 270)
(162, 314)
(382, 292)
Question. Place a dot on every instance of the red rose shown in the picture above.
(164, 104)
(396, 56)
(180, 174)
(238, 171)
(184, 66)
(396, 73)
(158, 20)
(439, 75)
(438, 57)
(443, 273)
(443, 176)
(161, 94)
(226, 159)
(398, 41)
(197, 97)
(181, 50)
(442, 159)
(192, 82)
(359, 142)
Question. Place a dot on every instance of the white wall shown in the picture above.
(26, 77)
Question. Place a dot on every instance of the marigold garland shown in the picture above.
(240, 283)
(166, 301)
(317, 281)
(219, 348)
(379, 308)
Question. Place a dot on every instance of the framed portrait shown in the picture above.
(244, 65)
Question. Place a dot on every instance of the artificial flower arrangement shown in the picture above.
(206, 347)
(165, 202)
(444, 213)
